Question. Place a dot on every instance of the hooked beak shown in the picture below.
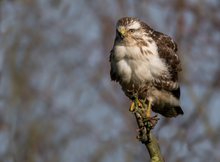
(122, 32)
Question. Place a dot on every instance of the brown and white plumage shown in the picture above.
(145, 62)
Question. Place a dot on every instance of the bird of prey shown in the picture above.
(146, 65)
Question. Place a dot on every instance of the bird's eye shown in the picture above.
(132, 30)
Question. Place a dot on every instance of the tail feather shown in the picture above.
(179, 110)
(170, 111)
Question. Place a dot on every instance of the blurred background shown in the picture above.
(57, 103)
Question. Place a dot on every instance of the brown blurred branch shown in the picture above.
(147, 137)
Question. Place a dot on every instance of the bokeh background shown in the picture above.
(57, 103)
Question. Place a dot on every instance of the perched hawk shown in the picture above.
(146, 64)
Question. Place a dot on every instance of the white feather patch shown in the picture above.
(124, 70)
(133, 66)
(134, 25)
(152, 46)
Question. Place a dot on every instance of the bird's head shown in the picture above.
(128, 29)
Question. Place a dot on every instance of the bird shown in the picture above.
(146, 65)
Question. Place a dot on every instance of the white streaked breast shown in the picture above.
(133, 66)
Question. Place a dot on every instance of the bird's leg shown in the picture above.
(132, 106)
(150, 121)
(148, 112)
(135, 104)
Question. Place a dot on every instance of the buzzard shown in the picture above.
(146, 65)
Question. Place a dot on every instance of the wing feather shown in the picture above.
(167, 50)
(112, 70)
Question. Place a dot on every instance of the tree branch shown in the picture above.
(146, 136)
